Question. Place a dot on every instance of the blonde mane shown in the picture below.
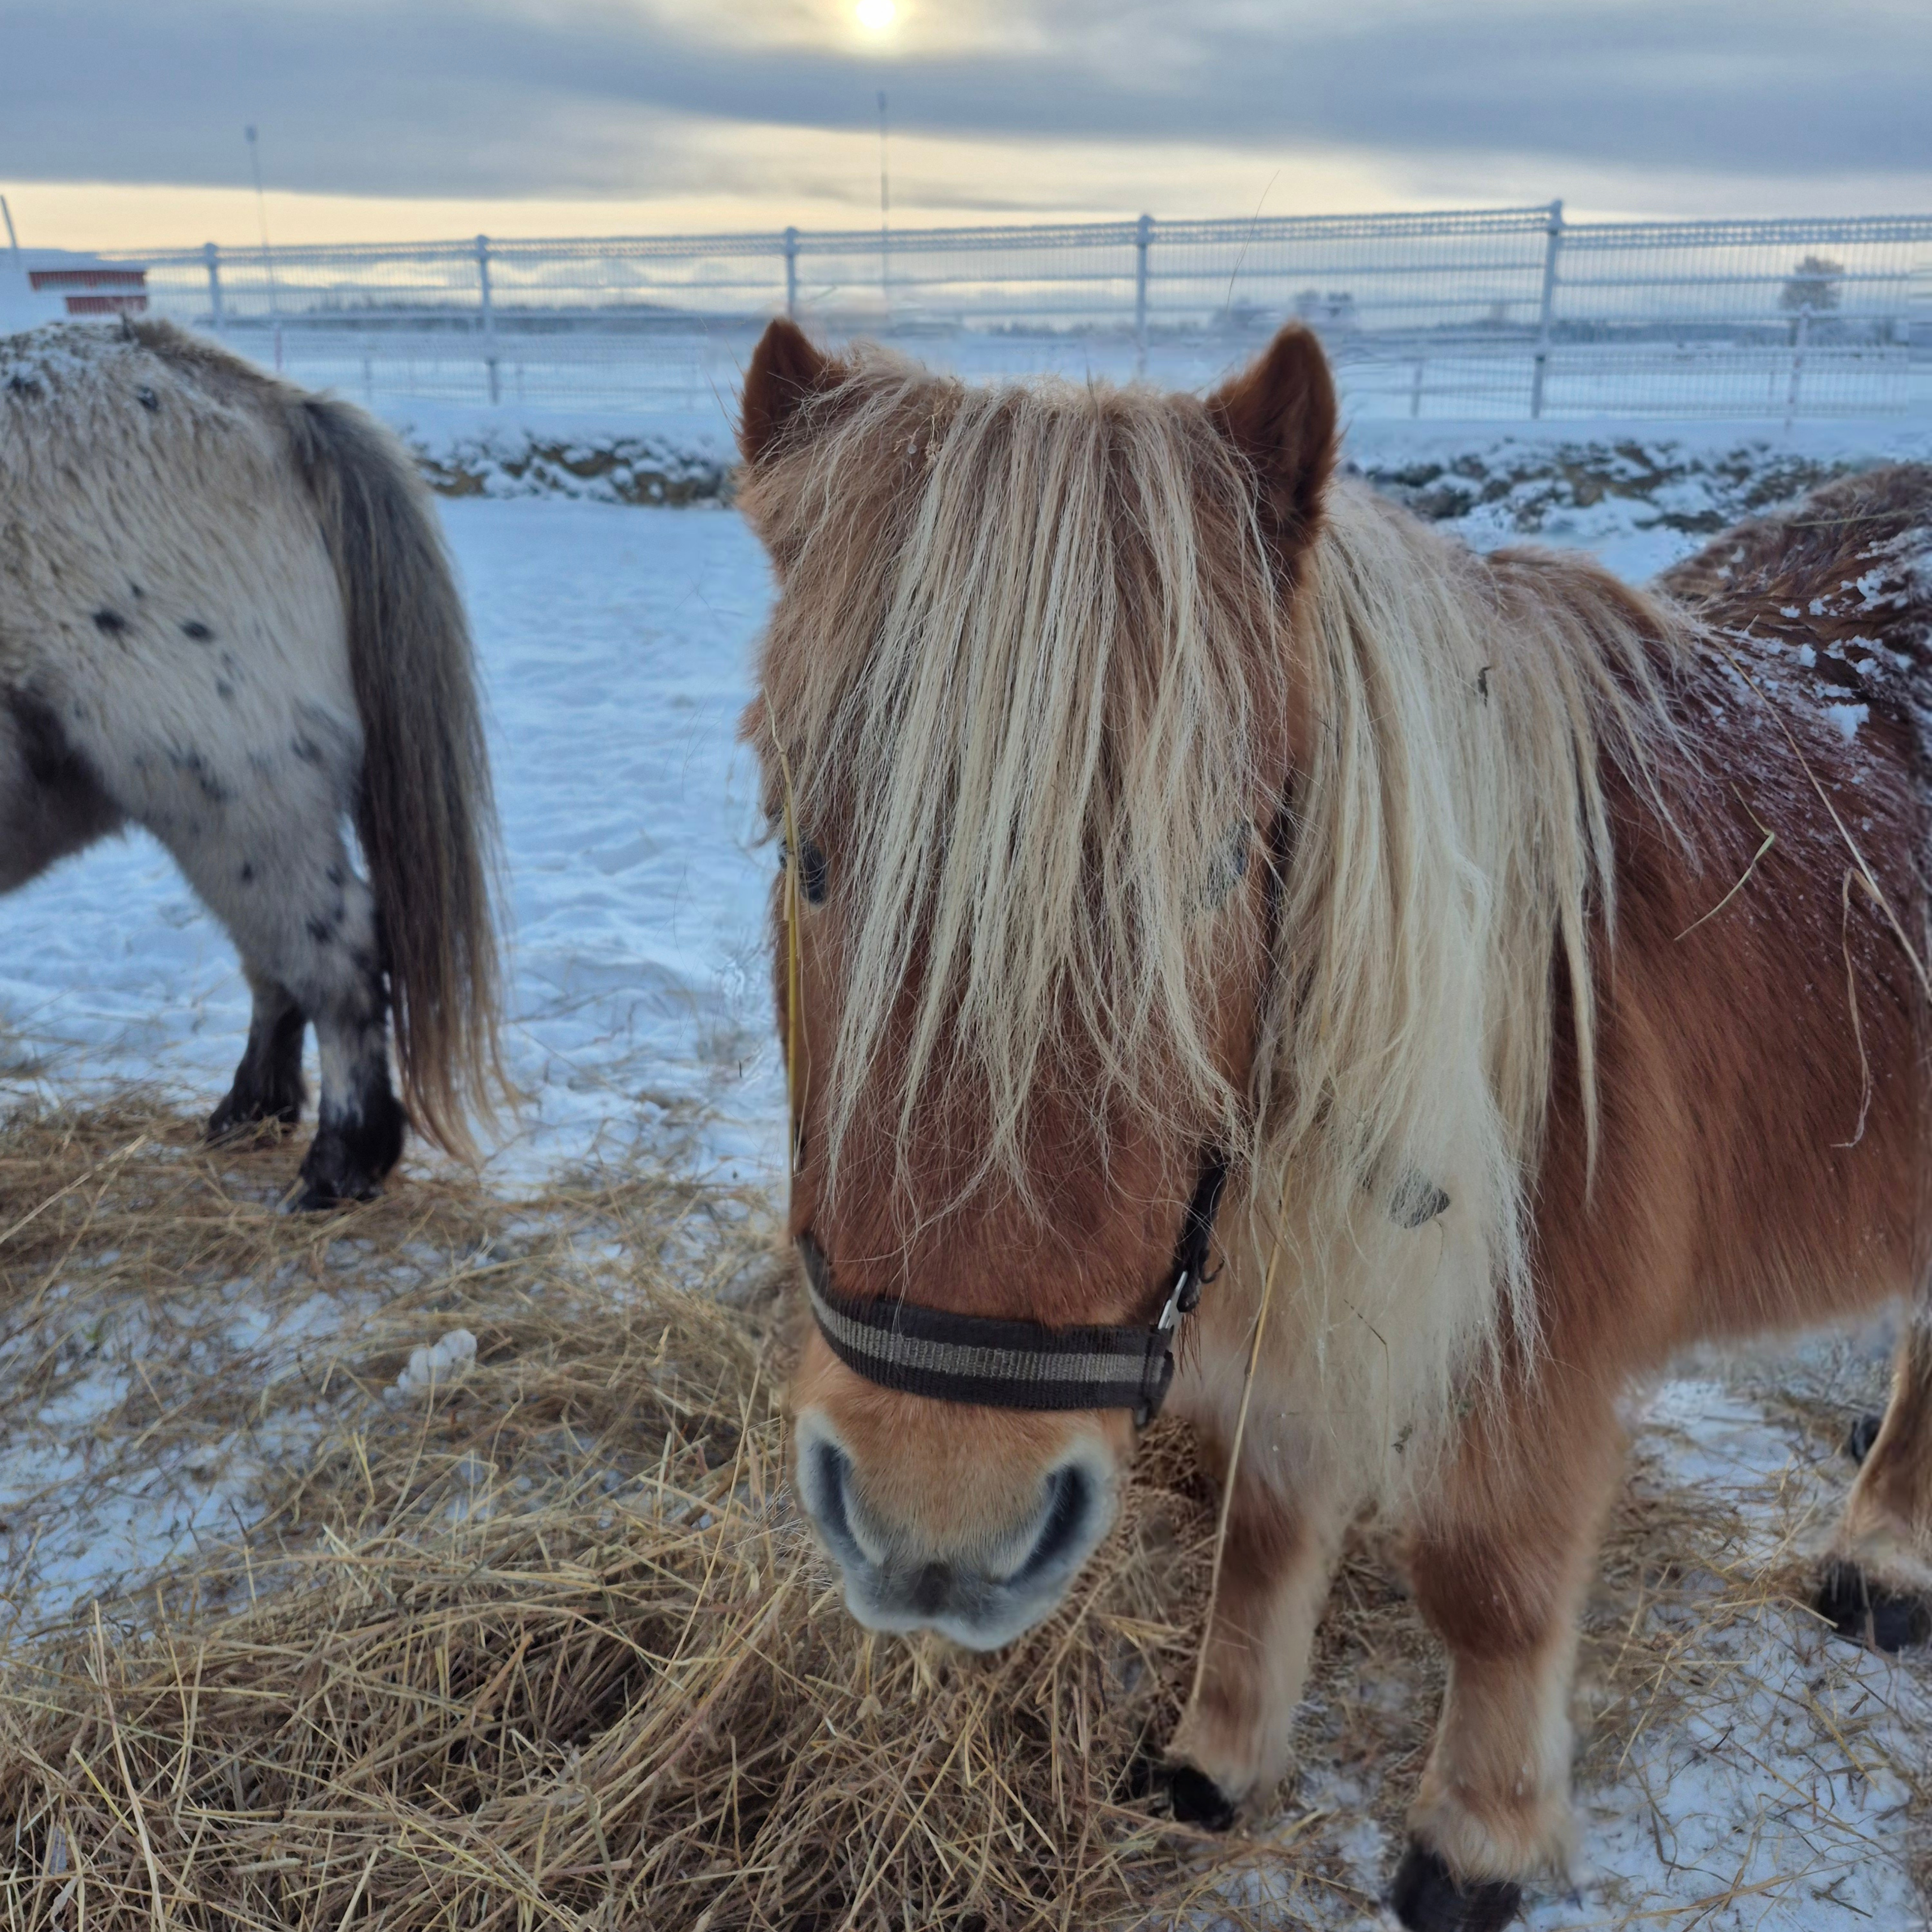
(1450, 844)
(1032, 649)
(1006, 655)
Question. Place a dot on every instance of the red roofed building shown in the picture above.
(86, 284)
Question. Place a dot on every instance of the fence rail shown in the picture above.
(1508, 311)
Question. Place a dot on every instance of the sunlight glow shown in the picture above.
(876, 17)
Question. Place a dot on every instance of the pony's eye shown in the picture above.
(813, 874)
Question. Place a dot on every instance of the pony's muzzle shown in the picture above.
(980, 1582)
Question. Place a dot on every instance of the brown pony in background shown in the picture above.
(1541, 961)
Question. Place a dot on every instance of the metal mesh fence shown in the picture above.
(1499, 312)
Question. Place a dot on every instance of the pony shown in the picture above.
(226, 615)
(1235, 944)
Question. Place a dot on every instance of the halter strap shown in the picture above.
(1003, 1364)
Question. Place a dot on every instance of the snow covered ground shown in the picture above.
(615, 647)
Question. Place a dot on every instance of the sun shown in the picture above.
(876, 17)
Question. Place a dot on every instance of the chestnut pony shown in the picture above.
(1529, 969)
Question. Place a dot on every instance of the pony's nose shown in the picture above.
(981, 1585)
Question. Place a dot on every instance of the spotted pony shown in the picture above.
(226, 615)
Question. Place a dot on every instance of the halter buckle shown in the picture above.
(1179, 1302)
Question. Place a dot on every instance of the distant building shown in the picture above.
(85, 284)
(39, 285)
(1334, 311)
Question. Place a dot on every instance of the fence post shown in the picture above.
(791, 273)
(489, 315)
(1552, 247)
(212, 255)
(1799, 335)
(1143, 235)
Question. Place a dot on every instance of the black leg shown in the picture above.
(353, 1150)
(359, 1133)
(269, 1082)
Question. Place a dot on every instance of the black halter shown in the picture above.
(1021, 1364)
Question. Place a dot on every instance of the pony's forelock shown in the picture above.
(1025, 637)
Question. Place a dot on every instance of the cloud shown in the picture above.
(493, 98)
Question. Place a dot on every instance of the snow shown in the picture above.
(1847, 718)
(436, 1366)
(1777, 1787)
(83, 1513)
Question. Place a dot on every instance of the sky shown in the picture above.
(122, 121)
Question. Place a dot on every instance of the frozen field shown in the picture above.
(616, 644)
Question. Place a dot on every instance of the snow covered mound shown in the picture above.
(1639, 495)
(1525, 486)
(665, 463)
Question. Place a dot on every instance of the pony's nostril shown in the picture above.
(1069, 1498)
(832, 1466)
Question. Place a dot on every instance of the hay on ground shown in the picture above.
(542, 1645)
(534, 1639)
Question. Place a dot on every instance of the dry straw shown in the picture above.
(547, 1647)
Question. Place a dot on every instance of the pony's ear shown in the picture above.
(786, 373)
(1280, 414)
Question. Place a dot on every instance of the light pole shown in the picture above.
(261, 215)
(885, 215)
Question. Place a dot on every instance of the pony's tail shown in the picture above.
(424, 809)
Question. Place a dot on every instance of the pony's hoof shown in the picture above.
(347, 1160)
(1862, 1434)
(332, 1181)
(1192, 1797)
(237, 1114)
(315, 1200)
(1867, 1612)
(1428, 1896)
(1196, 1799)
